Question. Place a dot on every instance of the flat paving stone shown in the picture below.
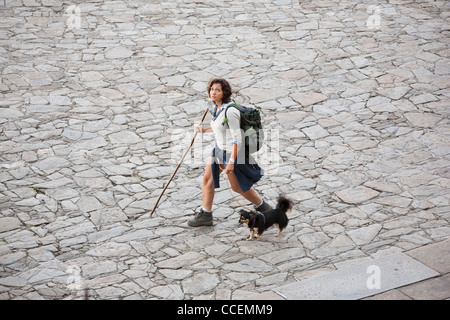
(358, 281)
(432, 289)
(435, 256)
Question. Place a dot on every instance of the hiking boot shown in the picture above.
(264, 207)
(202, 218)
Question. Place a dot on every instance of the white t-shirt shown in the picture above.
(229, 133)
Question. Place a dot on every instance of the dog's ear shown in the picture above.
(252, 215)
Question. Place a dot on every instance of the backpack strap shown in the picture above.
(234, 104)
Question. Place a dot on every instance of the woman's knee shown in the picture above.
(236, 189)
(208, 180)
(234, 184)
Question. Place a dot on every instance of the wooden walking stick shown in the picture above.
(179, 164)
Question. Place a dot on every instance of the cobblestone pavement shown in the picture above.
(98, 101)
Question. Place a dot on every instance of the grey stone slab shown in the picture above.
(389, 295)
(9, 223)
(432, 289)
(360, 281)
(436, 256)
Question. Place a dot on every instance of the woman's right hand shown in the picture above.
(198, 128)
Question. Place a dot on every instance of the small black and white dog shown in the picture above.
(259, 222)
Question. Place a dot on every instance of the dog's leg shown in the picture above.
(258, 236)
(279, 230)
(252, 233)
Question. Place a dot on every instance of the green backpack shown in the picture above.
(253, 134)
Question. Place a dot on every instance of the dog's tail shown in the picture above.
(284, 204)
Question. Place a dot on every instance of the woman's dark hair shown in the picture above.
(226, 88)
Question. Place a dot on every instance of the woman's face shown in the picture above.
(216, 93)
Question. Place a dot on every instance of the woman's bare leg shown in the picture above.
(208, 187)
(250, 195)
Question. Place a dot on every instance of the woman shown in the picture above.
(240, 168)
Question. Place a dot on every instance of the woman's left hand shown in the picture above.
(230, 168)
